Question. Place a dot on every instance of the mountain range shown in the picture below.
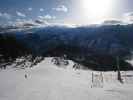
(96, 47)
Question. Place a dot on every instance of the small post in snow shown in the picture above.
(118, 71)
(92, 80)
(25, 76)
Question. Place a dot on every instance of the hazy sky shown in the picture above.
(64, 11)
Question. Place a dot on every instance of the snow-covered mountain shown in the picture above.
(46, 81)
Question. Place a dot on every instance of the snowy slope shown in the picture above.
(48, 82)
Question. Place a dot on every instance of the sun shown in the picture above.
(96, 9)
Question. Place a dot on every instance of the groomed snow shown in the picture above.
(48, 82)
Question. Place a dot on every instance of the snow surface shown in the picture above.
(49, 82)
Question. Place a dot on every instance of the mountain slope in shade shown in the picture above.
(92, 46)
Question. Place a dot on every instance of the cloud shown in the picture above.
(20, 14)
(41, 22)
(25, 23)
(41, 9)
(128, 17)
(61, 8)
(0, 14)
(30, 23)
(5, 15)
(30, 9)
(129, 14)
(112, 22)
(47, 17)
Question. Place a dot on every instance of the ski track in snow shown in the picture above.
(48, 82)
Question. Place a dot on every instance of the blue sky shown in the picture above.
(62, 11)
